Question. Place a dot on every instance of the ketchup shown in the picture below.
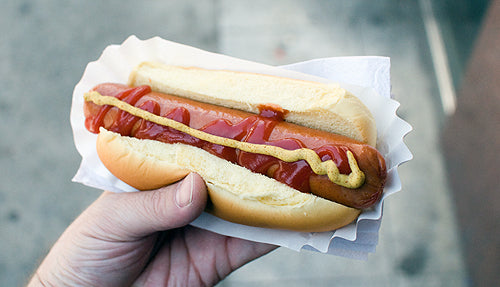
(253, 129)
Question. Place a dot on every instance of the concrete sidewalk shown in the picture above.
(471, 143)
(45, 46)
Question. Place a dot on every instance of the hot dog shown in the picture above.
(311, 201)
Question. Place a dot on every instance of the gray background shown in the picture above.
(45, 46)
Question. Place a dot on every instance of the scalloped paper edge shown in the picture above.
(354, 240)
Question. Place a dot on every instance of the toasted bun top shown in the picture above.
(236, 193)
(316, 105)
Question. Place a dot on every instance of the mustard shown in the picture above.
(353, 180)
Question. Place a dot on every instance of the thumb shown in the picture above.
(138, 214)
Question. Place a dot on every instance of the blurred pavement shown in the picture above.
(45, 46)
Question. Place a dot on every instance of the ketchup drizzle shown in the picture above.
(254, 129)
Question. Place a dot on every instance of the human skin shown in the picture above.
(143, 239)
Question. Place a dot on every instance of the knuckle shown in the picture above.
(154, 204)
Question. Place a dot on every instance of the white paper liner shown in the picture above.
(366, 77)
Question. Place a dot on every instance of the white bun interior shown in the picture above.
(237, 194)
(320, 106)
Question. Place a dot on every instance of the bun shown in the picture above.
(236, 193)
(320, 106)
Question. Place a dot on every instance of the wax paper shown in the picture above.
(366, 77)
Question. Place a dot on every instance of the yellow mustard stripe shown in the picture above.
(354, 180)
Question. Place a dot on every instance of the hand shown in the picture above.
(141, 238)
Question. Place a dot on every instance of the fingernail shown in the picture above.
(184, 192)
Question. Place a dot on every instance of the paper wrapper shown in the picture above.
(366, 77)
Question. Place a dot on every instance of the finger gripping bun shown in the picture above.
(237, 194)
